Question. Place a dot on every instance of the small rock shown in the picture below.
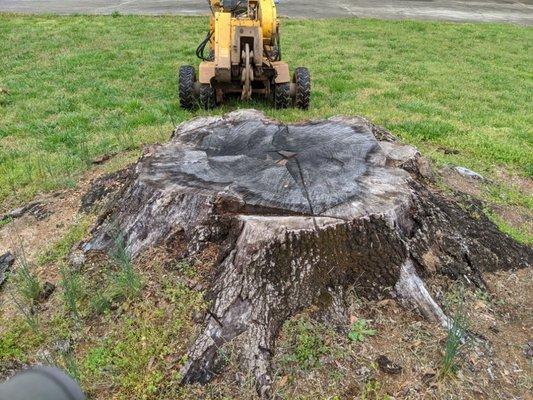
(240, 378)
(77, 259)
(388, 366)
(6, 261)
(103, 158)
(63, 346)
(40, 211)
(467, 173)
(447, 150)
(429, 378)
(46, 291)
(363, 371)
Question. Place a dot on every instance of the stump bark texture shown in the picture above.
(296, 216)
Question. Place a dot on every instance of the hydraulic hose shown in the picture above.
(201, 48)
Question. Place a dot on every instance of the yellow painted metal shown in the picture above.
(244, 22)
(282, 72)
(223, 46)
(268, 18)
(258, 26)
(207, 71)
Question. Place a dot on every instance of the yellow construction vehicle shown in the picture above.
(243, 58)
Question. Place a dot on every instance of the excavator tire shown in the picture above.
(207, 97)
(282, 95)
(302, 79)
(187, 78)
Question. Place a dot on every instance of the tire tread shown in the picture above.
(187, 78)
(302, 79)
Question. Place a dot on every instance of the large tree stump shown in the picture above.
(295, 216)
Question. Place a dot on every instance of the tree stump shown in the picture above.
(295, 216)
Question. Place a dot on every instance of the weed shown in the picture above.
(483, 295)
(127, 281)
(26, 280)
(373, 391)
(454, 341)
(307, 345)
(360, 330)
(135, 350)
(186, 268)
(97, 359)
(27, 311)
(5, 221)
(70, 282)
(9, 346)
(100, 303)
(70, 364)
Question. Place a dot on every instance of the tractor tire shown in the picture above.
(302, 79)
(282, 95)
(207, 97)
(187, 79)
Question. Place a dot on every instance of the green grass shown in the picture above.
(306, 345)
(63, 246)
(17, 341)
(27, 283)
(70, 283)
(128, 283)
(135, 353)
(78, 87)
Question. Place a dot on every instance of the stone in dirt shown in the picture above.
(388, 366)
(46, 291)
(468, 173)
(6, 261)
(296, 216)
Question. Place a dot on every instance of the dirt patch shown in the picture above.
(519, 217)
(48, 217)
(460, 183)
(524, 184)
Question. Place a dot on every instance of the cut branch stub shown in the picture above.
(297, 215)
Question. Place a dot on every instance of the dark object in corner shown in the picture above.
(43, 383)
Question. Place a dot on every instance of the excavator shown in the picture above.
(241, 56)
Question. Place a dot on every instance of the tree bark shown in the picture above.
(293, 216)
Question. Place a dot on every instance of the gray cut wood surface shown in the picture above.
(295, 216)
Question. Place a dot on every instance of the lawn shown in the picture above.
(75, 88)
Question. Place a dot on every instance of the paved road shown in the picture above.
(515, 11)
